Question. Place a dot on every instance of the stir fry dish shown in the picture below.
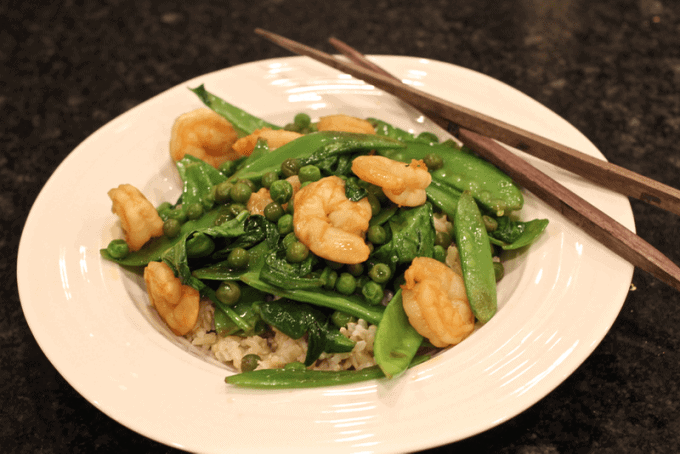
(321, 252)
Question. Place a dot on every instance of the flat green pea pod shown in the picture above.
(243, 122)
(475, 258)
(199, 178)
(464, 171)
(303, 378)
(311, 149)
(396, 341)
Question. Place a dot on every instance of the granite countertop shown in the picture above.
(611, 68)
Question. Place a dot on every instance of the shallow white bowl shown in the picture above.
(93, 321)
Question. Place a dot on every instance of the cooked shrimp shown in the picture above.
(329, 224)
(260, 199)
(404, 184)
(204, 134)
(435, 302)
(177, 304)
(274, 137)
(138, 217)
(345, 123)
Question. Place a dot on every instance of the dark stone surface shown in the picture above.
(611, 68)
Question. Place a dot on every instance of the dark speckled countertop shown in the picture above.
(611, 68)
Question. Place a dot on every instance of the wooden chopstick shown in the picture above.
(596, 223)
(617, 178)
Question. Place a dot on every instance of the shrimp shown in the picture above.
(435, 302)
(329, 224)
(138, 217)
(259, 200)
(404, 184)
(345, 123)
(177, 304)
(204, 134)
(274, 137)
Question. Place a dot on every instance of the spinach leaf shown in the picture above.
(413, 236)
(353, 191)
(256, 229)
(511, 234)
(289, 276)
(296, 320)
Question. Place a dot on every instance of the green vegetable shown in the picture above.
(309, 173)
(475, 258)
(511, 234)
(118, 249)
(463, 171)
(240, 192)
(250, 362)
(243, 122)
(380, 273)
(413, 236)
(199, 178)
(229, 292)
(296, 252)
(281, 191)
(199, 245)
(346, 284)
(286, 378)
(314, 148)
(396, 341)
(273, 211)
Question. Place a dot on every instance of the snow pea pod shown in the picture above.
(475, 257)
(396, 341)
(311, 149)
(290, 378)
(492, 188)
(243, 122)
(154, 249)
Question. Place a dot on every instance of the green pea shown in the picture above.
(295, 365)
(268, 178)
(377, 192)
(355, 269)
(380, 273)
(118, 249)
(240, 192)
(331, 279)
(288, 239)
(163, 209)
(285, 224)
(291, 127)
(227, 168)
(361, 281)
(223, 192)
(228, 292)
(296, 252)
(302, 120)
(443, 239)
(171, 228)
(238, 258)
(433, 161)
(499, 270)
(200, 245)
(439, 253)
(341, 319)
(373, 292)
(375, 204)
(281, 191)
(253, 187)
(309, 173)
(376, 234)
(194, 210)
(428, 136)
(249, 362)
(273, 212)
(179, 214)
(346, 284)
(290, 167)
(236, 208)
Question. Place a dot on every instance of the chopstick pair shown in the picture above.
(481, 133)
